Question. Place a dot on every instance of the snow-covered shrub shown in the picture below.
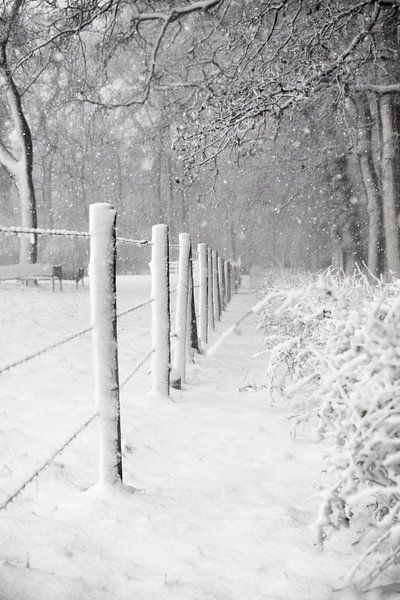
(334, 351)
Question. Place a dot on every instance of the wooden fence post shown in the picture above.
(217, 310)
(210, 291)
(203, 294)
(161, 320)
(221, 283)
(235, 278)
(192, 340)
(227, 282)
(179, 354)
(230, 275)
(104, 340)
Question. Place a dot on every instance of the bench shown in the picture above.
(76, 274)
(32, 272)
(27, 271)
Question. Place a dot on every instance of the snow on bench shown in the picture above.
(76, 274)
(28, 271)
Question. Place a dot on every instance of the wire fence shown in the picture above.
(49, 232)
(134, 308)
(161, 355)
(69, 338)
(123, 240)
(66, 233)
(69, 440)
(44, 350)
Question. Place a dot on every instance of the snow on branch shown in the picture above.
(164, 19)
(334, 358)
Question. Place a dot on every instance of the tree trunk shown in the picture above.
(47, 176)
(28, 243)
(20, 166)
(389, 186)
(346, 238)
(371, 185)
(232, 235)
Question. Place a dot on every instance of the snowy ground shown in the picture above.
(225, 501)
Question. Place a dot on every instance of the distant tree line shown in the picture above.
(279, 119)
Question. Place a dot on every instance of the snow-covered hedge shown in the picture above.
(333, 350)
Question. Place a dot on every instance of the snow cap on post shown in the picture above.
(104, 340)
(161, 321)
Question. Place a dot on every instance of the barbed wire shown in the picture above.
(65, 340)
(44, 465)
(136, 307)
(44, 350)
(50, 232)
(14, 230)
(50, 347)
(136, 369)
(71, 438)
(123, 240)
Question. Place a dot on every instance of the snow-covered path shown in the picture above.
(223, 509)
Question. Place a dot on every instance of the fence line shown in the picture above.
(218, 280)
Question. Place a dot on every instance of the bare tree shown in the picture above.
(284, 56)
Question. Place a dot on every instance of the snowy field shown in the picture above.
(225, 498)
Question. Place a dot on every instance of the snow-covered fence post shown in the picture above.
(104, 340)
(203, 294)
(238, 275)
(221, 284)
(235, 278)
(179, 355)
(161, 321)
(217, 311)
(192, 340)
(231, 282)
(227, 282)
(240, 270)
(210, 291)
